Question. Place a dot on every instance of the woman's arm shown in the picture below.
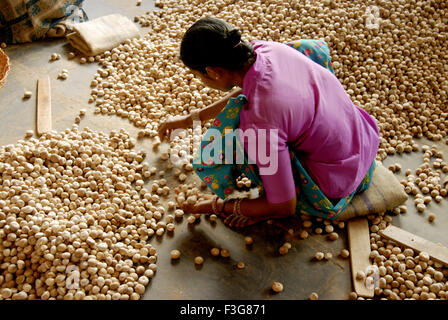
(211, 111)
(251, 208)
(261, 208)
(204, 114)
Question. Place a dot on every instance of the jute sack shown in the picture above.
(29, 20)
(102, 34)
(384, 193)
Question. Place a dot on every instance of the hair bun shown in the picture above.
(234, 37)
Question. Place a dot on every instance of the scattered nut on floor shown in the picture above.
(225, 253)
(27, 94)
(198, 260)
(248, 240)
(175, 254)
(314, 296)
(319, 255)
(277, 287)
(345, 253)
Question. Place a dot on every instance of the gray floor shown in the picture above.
(218, 278)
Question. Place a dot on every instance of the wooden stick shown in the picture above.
(436, 251)
(43, 107)
(359, 243)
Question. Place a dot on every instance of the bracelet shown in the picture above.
(237, 206)
(224, 205)
(238, 212)
(214, 202)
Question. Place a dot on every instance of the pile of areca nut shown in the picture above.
(78, 203)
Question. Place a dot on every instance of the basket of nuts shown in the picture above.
(4, 67)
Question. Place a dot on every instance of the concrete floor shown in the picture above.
(218, 278)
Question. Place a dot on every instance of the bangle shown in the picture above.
(237, 207)
(224, 205)
(214, 201)
(238, 212)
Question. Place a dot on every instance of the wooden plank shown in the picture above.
(43, 106)
(437, 252)
(359, 244)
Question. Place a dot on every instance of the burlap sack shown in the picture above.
(102, 34)
(29, 20)
(384, 193)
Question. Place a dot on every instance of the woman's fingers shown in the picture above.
(233, 220)
(164, 132)
(170, 124)
(165, 129)
(228, 219)
(240, 221)
(244, 222)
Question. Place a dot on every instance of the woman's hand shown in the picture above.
(240, 221)
(204, 206)
(178, 122)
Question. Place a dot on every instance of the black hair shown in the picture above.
(211, 42)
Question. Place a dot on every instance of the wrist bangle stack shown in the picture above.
(238, 209)
(237, 206)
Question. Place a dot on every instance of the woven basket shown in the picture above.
(4, 67)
